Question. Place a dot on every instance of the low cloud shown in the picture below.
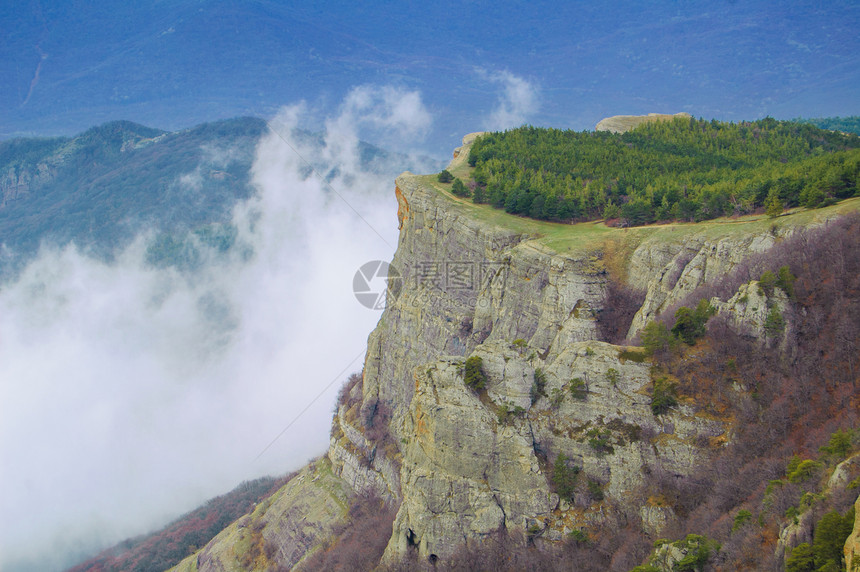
(518, 100)
(132, 393)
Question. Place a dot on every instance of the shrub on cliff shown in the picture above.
(564, 477)
(578, 389)
(663, 397)
(774, 324)
(690, 324)
(474, 374)
(831, 532)
(657, 339)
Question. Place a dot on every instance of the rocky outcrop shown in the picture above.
(473, 464)
(466, 282)
(465, 475)
(749, 311)
(802, 527)
(461, 153)
(690, 553)
(17, 181)
(480, 462)
(672, 269)
(852, 545)
(624, 123)
(283, 529)
(366, 466)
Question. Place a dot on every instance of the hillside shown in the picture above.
(844, 124)
(164, 548)
(544, 395)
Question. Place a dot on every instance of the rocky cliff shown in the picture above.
(852, 545)
(622, 123)
(462, 465)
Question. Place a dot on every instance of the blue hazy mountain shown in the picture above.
(101, 188)
(175, 63)
(105, 185)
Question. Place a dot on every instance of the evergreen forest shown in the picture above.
(684, 169)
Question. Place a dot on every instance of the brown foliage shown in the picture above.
(619, 307)
(350, 391)
(504, 551)
(359, 544)
(165, 548)
(793, 398)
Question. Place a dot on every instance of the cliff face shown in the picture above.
(852, 545)
(463, 464)
(672, 269)
(466, 282)
(468, 470)
(472, 467)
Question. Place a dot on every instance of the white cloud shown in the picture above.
(517, 101)
(129, 394)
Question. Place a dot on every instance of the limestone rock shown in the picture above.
(471, 466)
(624, 123)
(656, 519)
(795, 533)
(844, 473)
(361, 463)
(464, 475)
(852, 545)
(673, 270)
(747, 311)
(467, 282)
(293, 521)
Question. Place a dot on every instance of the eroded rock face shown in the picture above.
(852, 545)
(365, 466)
(471, 288)
(465, 475)
(475, 463)
(283, 529)
(466, 282)
(672, 270)
(748, 310)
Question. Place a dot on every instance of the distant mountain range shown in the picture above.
(101, 188)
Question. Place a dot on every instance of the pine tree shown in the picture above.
(479, 195)
(459, 189)
(773, 206)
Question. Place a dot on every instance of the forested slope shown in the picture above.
(683, 169)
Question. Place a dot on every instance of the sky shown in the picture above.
(68, 65)
(131, 394)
